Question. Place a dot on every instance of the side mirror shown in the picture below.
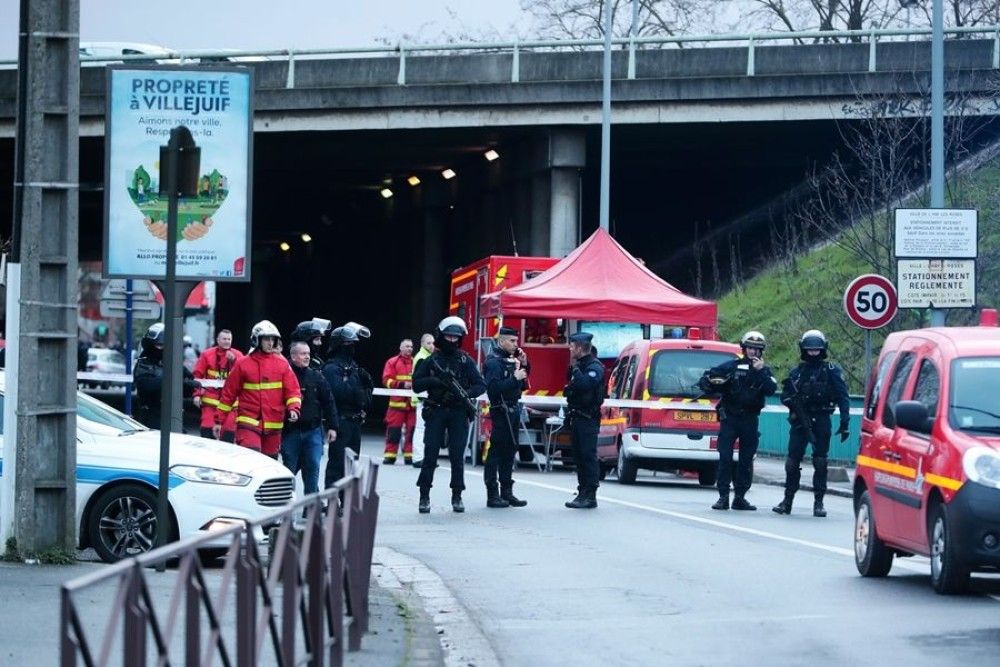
(912, 415)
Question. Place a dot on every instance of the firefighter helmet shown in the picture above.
(263, 329)
(813, 340)
(754, 340)
(452, 326)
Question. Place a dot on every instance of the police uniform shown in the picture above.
(811, 391)
(584, 395)
(504, 391)
(352, 388)
(742, 391)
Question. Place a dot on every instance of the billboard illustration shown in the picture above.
(213, 227)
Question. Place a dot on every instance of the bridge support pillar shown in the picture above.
(555, 192)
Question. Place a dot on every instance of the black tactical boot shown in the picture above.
(740, 503)
(818, 509)
(456, 502)
(587, 500)
(493, 498)
(785, 506)
(425, 501)
(722, 503)
(507, 494)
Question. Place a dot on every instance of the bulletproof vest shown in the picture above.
(441, 366)
(742, 393)
(506, 365)
(814, 385)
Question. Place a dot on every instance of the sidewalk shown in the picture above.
(771, 470)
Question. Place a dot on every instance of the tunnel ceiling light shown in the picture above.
(385, 192)
(491, 155)
(284, 246)
(306, 238)
(413, 180)
(448, 174)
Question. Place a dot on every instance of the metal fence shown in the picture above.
(302, 603)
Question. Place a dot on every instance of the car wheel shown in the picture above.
(123, 522)
(707, 476)
(626, 469)
(948, 575)
(871, 556)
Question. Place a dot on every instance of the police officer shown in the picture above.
(742, 384)
(584, 395)
(352, 388)
(452, 382)
(811, 391)
(506, 375)
(148, 377)
(316, 333)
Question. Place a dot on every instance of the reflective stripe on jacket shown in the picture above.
(398, 369)
(261, 388)
(214, 364)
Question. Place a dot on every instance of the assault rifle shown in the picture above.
(458, 393)
(797, 406)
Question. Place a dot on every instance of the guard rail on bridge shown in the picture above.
(295, 602)
(749, 41)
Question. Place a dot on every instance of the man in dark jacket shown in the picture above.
(352, 388)
(302, 440)
(584, 396)
(148, 377)
(506, 376)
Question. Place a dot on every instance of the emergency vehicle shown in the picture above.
(928, 470)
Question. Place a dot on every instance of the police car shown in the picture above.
(212, 484)
(928, 473)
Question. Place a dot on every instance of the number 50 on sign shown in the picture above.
(870, 301)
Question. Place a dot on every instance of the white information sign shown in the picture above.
(936, 283)
(940, 233)
(213, 228)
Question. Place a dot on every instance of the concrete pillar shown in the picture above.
(540, 197)
(567, 155)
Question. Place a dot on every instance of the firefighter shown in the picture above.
(453, 383)
(425, 351)
(316, 333)
(584, 395)
(352, 388)
(398, 374)
(148, 377)
(263, 390)
(506, 375)
(215, 364)
(743, 384)
(810, 392)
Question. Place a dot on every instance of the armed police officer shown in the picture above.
(584, 395)
(453, 383)
(315, 333)
(810, 392)
(352, 388)
(148, 377)
(506, 374)
(743, 384)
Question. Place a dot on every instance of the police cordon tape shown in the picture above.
(125, 378)
(560, 401)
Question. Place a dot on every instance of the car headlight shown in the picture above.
(210, 475)
(982, 465)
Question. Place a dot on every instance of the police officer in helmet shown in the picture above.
(352, 388)
(148, 377)
(742, 385)
(316, 333)
(453, 383)
(584, 395)
(811, 391)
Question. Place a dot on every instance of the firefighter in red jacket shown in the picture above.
(215, 364)
(261, 389)
(398, 374)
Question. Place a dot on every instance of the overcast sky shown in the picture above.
(274, 24)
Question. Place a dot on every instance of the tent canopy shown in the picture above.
(600, 281)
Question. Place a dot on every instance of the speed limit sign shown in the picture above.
(870, 301)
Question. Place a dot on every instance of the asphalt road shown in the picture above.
(654, 576)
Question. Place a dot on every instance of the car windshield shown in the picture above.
(975, 384)
(91, 415)
(676, 372)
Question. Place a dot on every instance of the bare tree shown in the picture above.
(584, 19)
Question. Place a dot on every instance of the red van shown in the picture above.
(665, 370)
(928, 471)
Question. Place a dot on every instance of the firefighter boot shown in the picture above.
(507, 495)
(785, 506)
(456, 502)
(722, 503)
(493, 498)
(741, 503)
(425, 501)
(818, 509)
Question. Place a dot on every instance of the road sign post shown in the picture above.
(870, 302)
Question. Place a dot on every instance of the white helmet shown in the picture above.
(453, 326)
(753, 339)
(263, 328)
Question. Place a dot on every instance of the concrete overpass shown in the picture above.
(701, 134)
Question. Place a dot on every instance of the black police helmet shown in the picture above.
(155, 335)
(813, 340)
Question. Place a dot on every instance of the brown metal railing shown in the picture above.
(299, 605)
